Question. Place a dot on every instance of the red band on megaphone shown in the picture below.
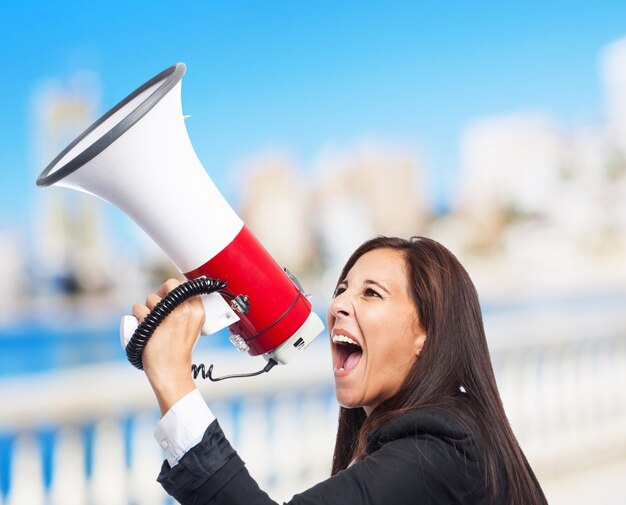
(277, 308)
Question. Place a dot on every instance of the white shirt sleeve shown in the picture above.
(183, 426)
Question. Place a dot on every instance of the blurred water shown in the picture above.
(33, 347)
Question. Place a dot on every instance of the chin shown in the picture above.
(346, 401)
(349, 406)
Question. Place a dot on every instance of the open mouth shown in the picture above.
(347, 351)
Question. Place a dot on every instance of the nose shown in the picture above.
(340, 306)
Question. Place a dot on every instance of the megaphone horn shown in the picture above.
(138, 157)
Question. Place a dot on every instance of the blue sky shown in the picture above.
(305, 74)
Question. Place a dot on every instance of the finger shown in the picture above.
(167, 286)
(197, 306)
(140, 311)
(152, 299)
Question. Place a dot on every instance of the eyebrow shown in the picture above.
(368, 281)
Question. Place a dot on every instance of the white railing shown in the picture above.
(562, 378)
(102, 420)
(84, 436)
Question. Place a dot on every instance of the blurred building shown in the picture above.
(613, 63)
(71, 247)
(276, 207)
(614, 74)
(312, 226)
(370, 189)
(510, 168)
(538, 190)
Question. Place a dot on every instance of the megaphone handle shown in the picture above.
(145, 329)
(130, 323)
(219, 314)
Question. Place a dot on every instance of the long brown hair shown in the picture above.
(455, 355)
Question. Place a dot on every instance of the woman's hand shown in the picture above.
(167, 355)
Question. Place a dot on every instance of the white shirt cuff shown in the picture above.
(183, 426)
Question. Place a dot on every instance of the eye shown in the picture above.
(371, 292)
(338, 291)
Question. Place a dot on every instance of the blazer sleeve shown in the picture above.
(405, 471)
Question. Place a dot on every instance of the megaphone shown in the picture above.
(139, 157)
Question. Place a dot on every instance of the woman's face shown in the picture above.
(374, 330)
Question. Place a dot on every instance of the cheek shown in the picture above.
(380, 352)
(391, 347)
(386, 359)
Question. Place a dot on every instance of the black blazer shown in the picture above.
(423, 457)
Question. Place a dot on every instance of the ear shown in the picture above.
(420, 340)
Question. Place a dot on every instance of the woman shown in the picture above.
(421, 420)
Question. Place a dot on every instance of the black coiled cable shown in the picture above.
(181, 293)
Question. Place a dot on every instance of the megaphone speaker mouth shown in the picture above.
(111, 125)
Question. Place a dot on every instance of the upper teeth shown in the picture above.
(343, 338)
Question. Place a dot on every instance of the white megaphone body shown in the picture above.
(138, 157)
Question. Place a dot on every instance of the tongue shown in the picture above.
(352, 360)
